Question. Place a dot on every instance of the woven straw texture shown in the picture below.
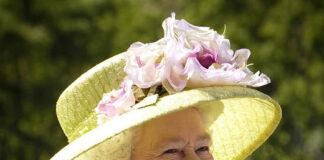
(239, 119)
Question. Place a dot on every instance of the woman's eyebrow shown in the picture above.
(205, 138)
(178, 142)
(169, 143)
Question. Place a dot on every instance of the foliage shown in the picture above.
(45, 45)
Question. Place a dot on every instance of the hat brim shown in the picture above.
(240, 120)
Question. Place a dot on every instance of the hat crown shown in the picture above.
(75, 107)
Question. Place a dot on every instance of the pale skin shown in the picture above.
(177, 136)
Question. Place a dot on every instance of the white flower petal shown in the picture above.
(145, 63)
(222, 46)
(256, 80)
(202, 77)
(240, 58)
(174, 78)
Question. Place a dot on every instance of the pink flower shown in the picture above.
(174, 77)
(200, 57)
(234, 73)
(145, 63)
(118, 101)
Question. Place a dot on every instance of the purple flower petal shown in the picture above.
(206, 57)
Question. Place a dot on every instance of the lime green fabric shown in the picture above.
(75, 107)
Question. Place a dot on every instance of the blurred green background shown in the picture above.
(45, 45)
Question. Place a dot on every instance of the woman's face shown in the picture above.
(177, 136)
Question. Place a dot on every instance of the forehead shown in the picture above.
(182, 126)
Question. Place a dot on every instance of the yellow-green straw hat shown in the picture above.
(189, 67)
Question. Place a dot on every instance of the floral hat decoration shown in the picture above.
(190, 66)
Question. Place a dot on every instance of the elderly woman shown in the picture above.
(179, 135)
(182, 97)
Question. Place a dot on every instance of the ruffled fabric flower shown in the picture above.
(175, 79)
(209, 59)
(145, 63)
(118, 101)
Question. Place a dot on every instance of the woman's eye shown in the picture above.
(170, 151)
(202, 149)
